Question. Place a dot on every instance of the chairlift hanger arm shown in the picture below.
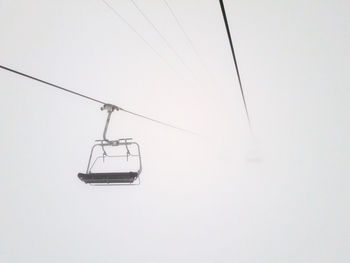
(110, 108)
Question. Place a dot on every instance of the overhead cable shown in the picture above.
(184, 32)
(138, 34)
(50, 84)
(162, 37)
(234, 59)
(93, 99)
(157, 121)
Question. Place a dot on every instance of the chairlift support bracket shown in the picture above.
(110, 108)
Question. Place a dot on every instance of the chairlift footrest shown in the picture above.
(108, 178)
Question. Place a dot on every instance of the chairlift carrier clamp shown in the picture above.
(112, 178)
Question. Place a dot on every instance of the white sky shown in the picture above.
(200, 199)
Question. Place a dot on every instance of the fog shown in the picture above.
(223, 194)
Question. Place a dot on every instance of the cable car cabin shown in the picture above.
(121, 156)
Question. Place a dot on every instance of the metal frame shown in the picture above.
(114, 143)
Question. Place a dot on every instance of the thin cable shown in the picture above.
(162, 37)
(50, 84)
(209, 73)
(157, 121)
(95, 100)
(148, 44)
(184, 32)
(138, 34)
(235, 60)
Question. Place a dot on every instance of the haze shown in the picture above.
(223, 195)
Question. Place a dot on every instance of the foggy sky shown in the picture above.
(201, 199)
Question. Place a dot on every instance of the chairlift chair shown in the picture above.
(112, 178)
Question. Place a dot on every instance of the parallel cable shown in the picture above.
(235, 60)
(162, 37)
(189, 40)
(138, 34)
(95, 100)
(117, 14)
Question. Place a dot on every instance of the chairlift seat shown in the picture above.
(121, 177)
(109, 178)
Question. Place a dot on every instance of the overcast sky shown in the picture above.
(202, 198)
